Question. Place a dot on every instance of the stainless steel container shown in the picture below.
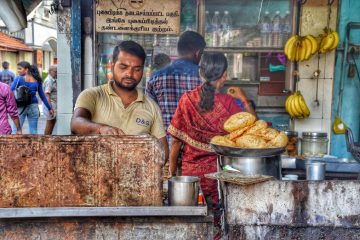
(315, 170)
(270, 166)
(183, 191)
(314, 144)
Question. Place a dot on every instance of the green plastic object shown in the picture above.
(276, 68)
(227, 168)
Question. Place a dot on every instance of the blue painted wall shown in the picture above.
(350, 114)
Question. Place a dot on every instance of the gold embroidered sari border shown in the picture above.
(186, 138)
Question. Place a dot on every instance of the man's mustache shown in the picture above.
(132, 79)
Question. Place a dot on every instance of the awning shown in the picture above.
(14, 12)
(8, 43)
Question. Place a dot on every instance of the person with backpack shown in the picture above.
(25, 89)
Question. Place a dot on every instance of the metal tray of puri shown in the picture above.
(247, 152)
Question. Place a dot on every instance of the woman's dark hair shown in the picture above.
(33, 71)
(130, 47)
(212, 67)
(24, 64)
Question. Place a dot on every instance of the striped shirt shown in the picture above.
(7, 76)
(167, 85)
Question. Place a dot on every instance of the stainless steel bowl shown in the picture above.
(315, 170)
(183, 191)
(270, 166)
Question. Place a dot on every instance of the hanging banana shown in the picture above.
(296, 106)
(298, 48)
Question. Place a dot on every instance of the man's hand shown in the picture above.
(19, 132)
(51, 112)
(107, 130)
(237, 92)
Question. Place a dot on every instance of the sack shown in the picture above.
(22, 95)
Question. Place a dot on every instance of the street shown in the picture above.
(41, 124)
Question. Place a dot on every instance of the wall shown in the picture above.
(313, 20)
(293, 210)
(349, 12)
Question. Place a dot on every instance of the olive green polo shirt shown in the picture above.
(143, 116)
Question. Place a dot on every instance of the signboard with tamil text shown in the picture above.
(138, 16)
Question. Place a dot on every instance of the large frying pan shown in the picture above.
(246, 152)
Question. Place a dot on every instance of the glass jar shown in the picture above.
(314, 144)
(291, 147)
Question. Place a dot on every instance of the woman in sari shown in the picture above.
(200, 115)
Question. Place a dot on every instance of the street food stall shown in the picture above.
(112, 187)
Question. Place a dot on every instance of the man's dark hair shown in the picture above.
(130, 47)
(5, 64)
(190, 42)
(161, 60)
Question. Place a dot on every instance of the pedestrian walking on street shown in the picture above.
(33, 81)
(8, 108)
(50, 89)
(6, 76)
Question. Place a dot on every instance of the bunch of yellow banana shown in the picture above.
(299, 48)
(328, 40)
(296, 106)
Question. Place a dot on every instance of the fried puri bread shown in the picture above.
(238, 121)
(257, 126)
(250, 141)
(267, 133)
(280, 140)
(222, 141)
(237, 133)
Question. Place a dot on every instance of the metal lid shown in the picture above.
(291, 133)
(314, 134)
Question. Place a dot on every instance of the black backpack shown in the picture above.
(22, 95)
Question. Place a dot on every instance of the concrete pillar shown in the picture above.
(65, 87)
(69, 64)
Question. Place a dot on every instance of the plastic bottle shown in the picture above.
(187, 17)
(266, 30)
(216, 33)
(101, 71)
(208, 29)
(109, 73)
(276, 30)
(226, 25)
(286, 27)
